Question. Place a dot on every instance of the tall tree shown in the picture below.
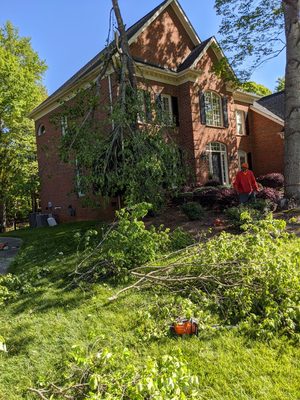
(280, 84)
(137, 160)
(21, 90)
(257, 88)
(260, 30)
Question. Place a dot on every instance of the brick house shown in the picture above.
(218, 127)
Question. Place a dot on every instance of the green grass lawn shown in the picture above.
(40, 327)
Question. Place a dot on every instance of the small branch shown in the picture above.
(39, 393)
(112, 298)
(276, 54)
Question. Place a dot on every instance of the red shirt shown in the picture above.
(245, 182)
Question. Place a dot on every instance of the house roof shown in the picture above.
(195, 53)
(274, 103)
(131, 32)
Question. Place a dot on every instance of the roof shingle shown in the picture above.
(274, 103)
(193, 55)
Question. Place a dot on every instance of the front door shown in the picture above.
(217, 167)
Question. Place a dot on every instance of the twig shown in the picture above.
(39, 393)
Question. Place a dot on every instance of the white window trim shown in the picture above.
(170, 111)
(224, 160)
(242, 112)
(142, 119)
(39, 132)
(214, 125)
(64, 124)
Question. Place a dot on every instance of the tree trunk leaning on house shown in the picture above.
(125, 56)
(292, 99)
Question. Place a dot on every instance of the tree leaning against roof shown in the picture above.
(259, 31)
(21, 90)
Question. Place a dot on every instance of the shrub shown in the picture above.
(227, 198)
(207, 196)
(274, 180)
(270, 194)
(242, 215)
(212, 183)
(193, 210)
(179, 239)
(182, 198)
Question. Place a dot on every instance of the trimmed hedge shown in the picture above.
(274, 180)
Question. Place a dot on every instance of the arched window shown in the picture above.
(41, 131)
(218, 163)
(213, 109)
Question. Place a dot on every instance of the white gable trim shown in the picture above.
(186, 23)
(180, 14)
(219, 54)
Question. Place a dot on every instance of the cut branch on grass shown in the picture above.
(175, 275)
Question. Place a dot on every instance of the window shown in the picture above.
(145, 114)
(41, 130)
(213, 109)
(242, 156)
(166, 108)
(64, 124)
(218, 164)
(240, 122)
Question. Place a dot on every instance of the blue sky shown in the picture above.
(68, 33)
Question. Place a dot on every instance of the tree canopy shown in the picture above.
(21, 89)
(252, 31)
(257, 88)
(255, 31)
(280, 84)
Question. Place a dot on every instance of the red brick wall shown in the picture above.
(268, 145)
(203, 135)
(165, 42)
(58, 178)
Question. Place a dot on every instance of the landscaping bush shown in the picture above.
(274, 180)
(182, 198)
(192, 210)
(270, 194)
(242, 215)
(207, 196)
(227, 198)
(212, 183)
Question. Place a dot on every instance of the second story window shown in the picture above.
(240, 122)
(213, 109)
(145, 111)
(166, 109)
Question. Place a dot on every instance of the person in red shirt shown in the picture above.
(245, 184)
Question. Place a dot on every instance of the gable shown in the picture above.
(165, 42)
